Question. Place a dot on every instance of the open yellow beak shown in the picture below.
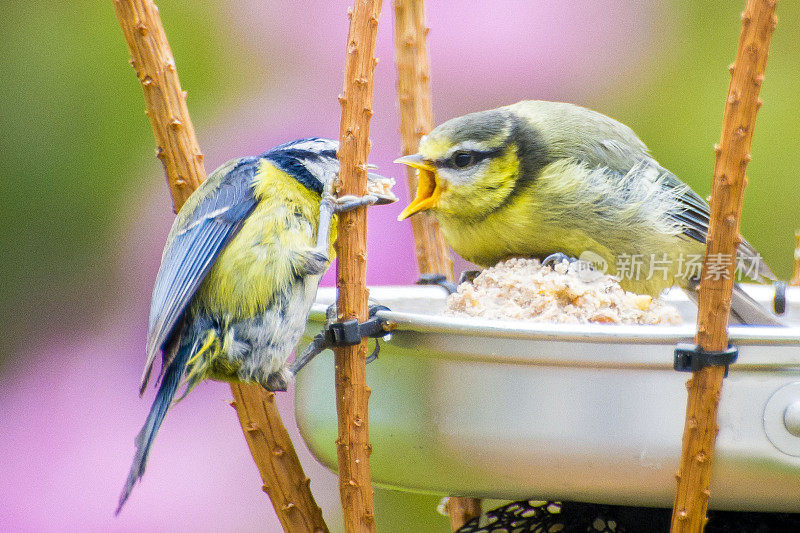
(428, 188)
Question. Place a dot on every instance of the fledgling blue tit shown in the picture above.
(239, 274)
(538, 178)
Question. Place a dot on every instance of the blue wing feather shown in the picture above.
(203, 228)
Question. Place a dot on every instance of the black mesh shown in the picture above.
(573, 517)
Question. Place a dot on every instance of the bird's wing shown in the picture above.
(692, 214)
(617, 148)
(691, 211)
(620, 152)
(207, 222)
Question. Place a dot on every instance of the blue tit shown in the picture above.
(538, 178)
(239, 274)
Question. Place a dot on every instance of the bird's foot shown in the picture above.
(349, 202)
(588, 267)
(553, 259)
(468, 276)
(330, 205)
(437, 279)
(278, 381)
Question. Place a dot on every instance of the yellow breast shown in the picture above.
(256, 267)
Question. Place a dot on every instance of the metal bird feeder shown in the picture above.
(594, 413)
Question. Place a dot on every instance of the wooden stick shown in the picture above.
(732, 156)
(462, 510)
(416, 120)
(284, 480)
(269, 442)
(352, 394)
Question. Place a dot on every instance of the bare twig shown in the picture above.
(416, 119)
(280, 469)
(462, 510)
(352, 393)
(732, 156)
(284, 480)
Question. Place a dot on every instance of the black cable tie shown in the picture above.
(437, 279)
(779, 301)
(350, 332)
(691, 358)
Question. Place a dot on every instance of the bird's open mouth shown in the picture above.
(428, 187)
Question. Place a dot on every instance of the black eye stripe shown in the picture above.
(477, 157)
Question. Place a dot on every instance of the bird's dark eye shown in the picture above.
(463, 159)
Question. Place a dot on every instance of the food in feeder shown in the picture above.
(523, 289)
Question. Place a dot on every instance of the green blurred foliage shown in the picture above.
(73, 123)
(401, 512)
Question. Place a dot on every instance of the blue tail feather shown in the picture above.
(144, 440)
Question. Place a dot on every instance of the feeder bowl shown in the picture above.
(593, 413)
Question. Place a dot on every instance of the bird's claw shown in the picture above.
(374, 355)
(341, 204)
(468, 276)
(437, 279)
(553, 259)
(588, 267)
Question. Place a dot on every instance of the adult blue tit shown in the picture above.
(538, 178)
(239, 274)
